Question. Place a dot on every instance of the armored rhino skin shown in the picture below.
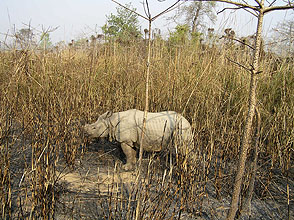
(126, 128)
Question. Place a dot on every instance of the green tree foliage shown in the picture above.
(183, 35)
(82, 42)
(195, 14)
(124, 26)
(180, 35)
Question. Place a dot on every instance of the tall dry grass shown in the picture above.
(45, 98)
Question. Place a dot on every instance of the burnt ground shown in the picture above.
(98, 175)
(96, 188)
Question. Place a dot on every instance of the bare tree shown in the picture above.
(195, 13)
(284, 35)
(150, 19)
(258, 9)
(25, 38)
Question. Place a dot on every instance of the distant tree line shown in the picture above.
(191, 26)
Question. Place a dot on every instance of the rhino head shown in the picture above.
(100, 128)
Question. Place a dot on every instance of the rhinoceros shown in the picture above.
(126, 128)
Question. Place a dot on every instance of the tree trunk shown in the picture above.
(249, 120)
(139, 170)
(146, 95)
(195, 19)
(246, 202)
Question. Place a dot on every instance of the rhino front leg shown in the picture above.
(130, 155)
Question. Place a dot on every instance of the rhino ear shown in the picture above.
(109, 114)
(106, 114)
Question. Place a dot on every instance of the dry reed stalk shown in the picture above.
(56, 92)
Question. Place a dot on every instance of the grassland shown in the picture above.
(46, 96)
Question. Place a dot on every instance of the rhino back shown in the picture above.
(159, 128)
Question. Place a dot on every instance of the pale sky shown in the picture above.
(82, 18)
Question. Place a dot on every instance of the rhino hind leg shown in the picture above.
(130, 156)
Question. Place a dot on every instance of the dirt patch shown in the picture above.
(100, 180)
(98, 188)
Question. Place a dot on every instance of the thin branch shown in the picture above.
(255, 8)
(269, 9)
(30, 27)
(229, 9)
(239, 64)
(245, 2)
(259, 4)
(148, 9)
(277, 41)
(246, 9)
(241, 42)
(254, 13)
(166, 10)
(130, 10)
(175, 17)
(272, 3)
(144, 8)
(146, 18)
(49, 29)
